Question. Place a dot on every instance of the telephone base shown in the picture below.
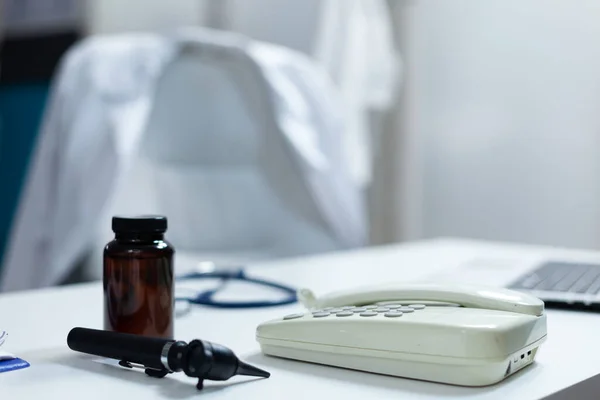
(449, 370)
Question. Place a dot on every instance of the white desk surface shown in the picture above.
(38, 323)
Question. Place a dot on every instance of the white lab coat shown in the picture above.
(96, 116)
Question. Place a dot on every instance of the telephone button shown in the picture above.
(406, 309)
(392, 314)
(293, 316)
(381, 309)
(344, 314)
(357, 310)
(335, 310)
(371, 307)
(393, 306)
(417, 306)
(321, 314)
(368, 314)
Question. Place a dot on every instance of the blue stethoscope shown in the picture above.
(206, 298)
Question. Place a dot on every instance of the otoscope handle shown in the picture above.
(123, 347)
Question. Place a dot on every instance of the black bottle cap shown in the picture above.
(139, 224)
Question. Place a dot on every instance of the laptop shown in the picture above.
(560, 283)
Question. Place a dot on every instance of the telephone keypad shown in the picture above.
(371, 310)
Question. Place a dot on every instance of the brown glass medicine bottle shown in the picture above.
(138, 278)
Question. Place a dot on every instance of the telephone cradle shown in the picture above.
(462, 335)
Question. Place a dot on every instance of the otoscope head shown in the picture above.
(206, 360)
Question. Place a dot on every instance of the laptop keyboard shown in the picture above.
(562, 277)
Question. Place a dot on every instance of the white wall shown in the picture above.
(284, 22)
(109, 16)
(503, 121)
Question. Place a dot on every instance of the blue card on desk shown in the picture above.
(13, 365)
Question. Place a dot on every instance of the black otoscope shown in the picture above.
(158, 357)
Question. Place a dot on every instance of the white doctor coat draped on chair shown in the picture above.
(104, 124)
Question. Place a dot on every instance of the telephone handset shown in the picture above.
(464, 335)
(464, 295)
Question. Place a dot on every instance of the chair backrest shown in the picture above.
(212, 160)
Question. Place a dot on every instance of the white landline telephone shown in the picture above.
(462, 335)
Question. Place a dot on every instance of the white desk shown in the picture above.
(38, 323)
